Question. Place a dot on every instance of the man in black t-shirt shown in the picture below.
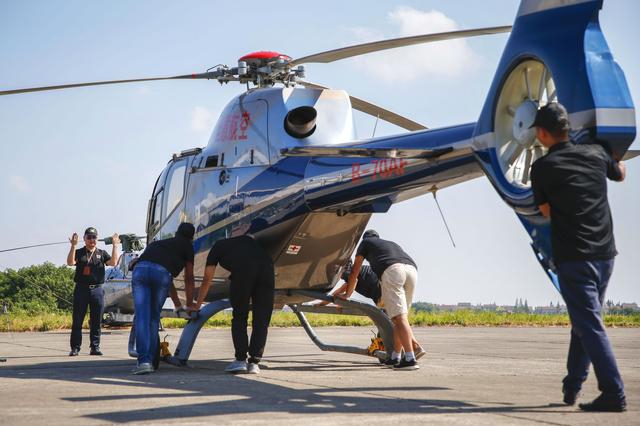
(89, 277)
(367, 284)
(152, 279)
(569, 185)
(252, 286)
(398, 277)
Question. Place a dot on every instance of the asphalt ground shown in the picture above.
(469, 376)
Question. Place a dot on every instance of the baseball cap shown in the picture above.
(370, 233)
(91, 231)
(552, 117)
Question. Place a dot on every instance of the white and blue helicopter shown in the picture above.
(283, 162)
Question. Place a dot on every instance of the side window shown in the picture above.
(174, 187)
(155, 204)
(157, 207)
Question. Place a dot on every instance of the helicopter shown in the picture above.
(283, 161)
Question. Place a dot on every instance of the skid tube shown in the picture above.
(345, 307)
(189, 333)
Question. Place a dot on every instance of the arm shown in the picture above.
(539, 195)
(114, 251)
(189, 283)
(71, 257)
(623, 171)
(209, 271)
(173, 293)
(338, 290)
(545, 209)
(353, 278)
(616, 170)
(335, 291)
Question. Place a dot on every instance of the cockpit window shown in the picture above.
(174, 187)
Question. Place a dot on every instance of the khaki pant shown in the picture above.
(398, 283)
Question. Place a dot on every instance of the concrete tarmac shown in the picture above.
(469, 376)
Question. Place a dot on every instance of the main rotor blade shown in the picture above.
(32, 246)
(207, 75)
(376, 46)
(632, 153)
(375, 110)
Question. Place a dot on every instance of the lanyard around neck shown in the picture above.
(91, 257)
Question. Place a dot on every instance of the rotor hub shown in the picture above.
(265, 68)
(522, 121)
(264, 57)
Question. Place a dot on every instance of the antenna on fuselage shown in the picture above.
(375, 126)
(435, 198)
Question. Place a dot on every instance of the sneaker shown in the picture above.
(143, 368)
(419, 352)
(74, 352)
(570, 396)
(237, 367)
(252, 368)
(96, 351)
(602, 403)
(391, 362)
(405, 365)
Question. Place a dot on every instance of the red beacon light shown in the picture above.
(260, 59)
(264, 55)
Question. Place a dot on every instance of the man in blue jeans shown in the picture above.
(570, 186)
(153, 275)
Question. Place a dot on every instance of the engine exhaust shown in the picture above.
(301, 122)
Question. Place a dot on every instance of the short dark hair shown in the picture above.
(186, 230)
(560, 134)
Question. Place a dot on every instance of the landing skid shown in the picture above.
(345, 307)
(189, 333)
(191, 330)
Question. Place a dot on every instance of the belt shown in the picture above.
(92, 286)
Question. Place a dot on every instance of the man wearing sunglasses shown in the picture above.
(89, 277)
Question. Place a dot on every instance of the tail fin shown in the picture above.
(556, 52)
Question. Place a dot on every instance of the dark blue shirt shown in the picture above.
(237, 253)
(368, 283)
(573, 180)
(382, 253)
(95, 263)
(171, 253)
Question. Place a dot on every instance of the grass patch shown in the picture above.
(41, 321)
(23, 321)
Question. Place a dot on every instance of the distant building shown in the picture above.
(549, 310)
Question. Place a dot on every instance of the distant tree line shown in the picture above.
(37, 288)
(424, 307)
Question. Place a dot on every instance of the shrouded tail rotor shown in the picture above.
(556, 52)
(528, 87)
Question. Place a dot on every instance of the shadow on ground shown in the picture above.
(230, 394)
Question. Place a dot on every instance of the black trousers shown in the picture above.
(252, 288)
(84, 297)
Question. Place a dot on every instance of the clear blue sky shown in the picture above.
(90, 156)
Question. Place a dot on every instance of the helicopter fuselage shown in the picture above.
(308, 211)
